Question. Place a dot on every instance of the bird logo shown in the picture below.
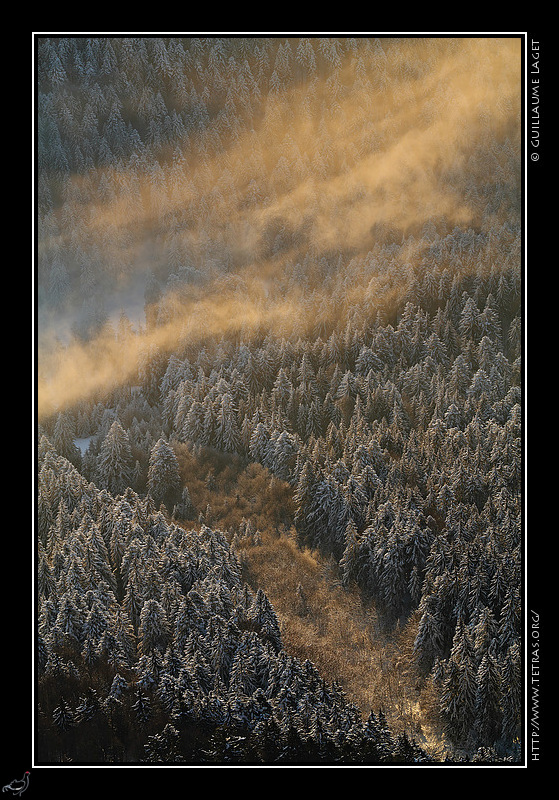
(17, 787)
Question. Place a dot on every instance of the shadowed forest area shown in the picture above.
(279, 400)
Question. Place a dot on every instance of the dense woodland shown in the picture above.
(355, 375)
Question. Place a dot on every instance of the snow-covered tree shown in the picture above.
(153, 631)
(164, 481)
(115, 461)
(63, 438)
(227, 432)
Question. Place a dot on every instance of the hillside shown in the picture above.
(152, 649)
(280, 309)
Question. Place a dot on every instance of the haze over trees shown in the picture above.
(279, 299)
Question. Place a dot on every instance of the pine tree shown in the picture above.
(458, 695)
(284, 456)
(266, 620)
(191, 428)
(96, 622)
(391, 577)
(164, 747)
(142, 706)
(305, 57)
(429, 640)
(115, 462)
(164, 481)
(303, 496)
(184, 508)
(243, 677)
(511, 693)
(488, 695)
(153, 630)
(259, 442)
(63, 716)
(63, 439)
(349, 562)
(69, 621)
(227, 432)
(510, 619)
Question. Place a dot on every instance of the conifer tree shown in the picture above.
(458, 695)
(227, 432)
(63, 439)
(511, 693)
(164, 482)
(488, 719)
(349, 562)
(153, 630)
(266, 620)
(390, 402)
(115, 462)
(63, 716)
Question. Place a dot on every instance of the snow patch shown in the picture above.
(83, 444)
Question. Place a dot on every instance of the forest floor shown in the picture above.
(346, 640)
(343, 636)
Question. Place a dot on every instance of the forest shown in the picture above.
(279, 401)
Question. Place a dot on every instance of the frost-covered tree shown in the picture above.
(349, 562)
(488, 716)
(458, 694)
(263, 614)
(63, 715)
(283, 456)
(429, 640)
(227, 432)
(153, 631)
(63, 438)
(115, 462)
(164, 481)
(390, 401)
(259, 443)
(511, 693)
